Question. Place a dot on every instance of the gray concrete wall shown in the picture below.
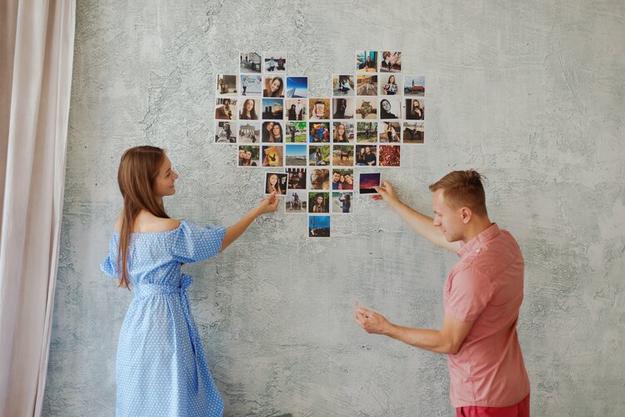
(530, 93)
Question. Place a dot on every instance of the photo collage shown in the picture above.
(311, 145)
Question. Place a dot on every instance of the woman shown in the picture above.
(276, 133)
(161, 366)
(390, 88)
(340, 133)
(292, 113)
(319, 204)
(274, 88)
(248, 112)
(416, 111)
(273, 185)
(385, 110)
(391, 133)
(346, 203)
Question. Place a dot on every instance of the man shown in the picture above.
(482, 297)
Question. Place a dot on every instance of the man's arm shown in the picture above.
(448, 339)
(419, 222)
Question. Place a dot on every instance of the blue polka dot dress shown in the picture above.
(161, 366)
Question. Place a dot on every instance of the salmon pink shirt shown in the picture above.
(486, 287)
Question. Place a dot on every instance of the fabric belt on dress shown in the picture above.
(149, 290)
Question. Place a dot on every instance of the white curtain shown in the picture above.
(36, 52)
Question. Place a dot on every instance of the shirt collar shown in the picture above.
(487, 234)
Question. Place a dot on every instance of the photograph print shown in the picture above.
(251, 84)
(390, 61)
(250, 63)
(414, 85)
(296, 201)
(275, 62)
(367, 61)
(275, 182)
(319, 226)
(226, 132)
(226, 85)
(249, 156)
(249, 132)
(343, 85)
(342, 202)
(297, 87)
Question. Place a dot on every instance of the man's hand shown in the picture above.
(269, 204)
(386, 193)
(371, 321)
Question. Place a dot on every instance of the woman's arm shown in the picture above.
(267, 205)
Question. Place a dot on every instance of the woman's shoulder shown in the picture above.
(149, 223)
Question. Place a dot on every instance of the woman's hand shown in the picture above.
(268, 204)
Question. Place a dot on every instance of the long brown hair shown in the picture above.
(136, 176)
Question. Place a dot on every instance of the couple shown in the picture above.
(161, 365)
(342, 181)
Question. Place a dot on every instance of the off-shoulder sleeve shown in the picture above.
(193, 243)
(109, 265)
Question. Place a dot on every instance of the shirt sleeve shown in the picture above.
(469, 294)
(109, 265)
(193, 243)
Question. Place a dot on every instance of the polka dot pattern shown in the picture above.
(161, 365)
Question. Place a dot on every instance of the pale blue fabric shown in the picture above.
(161, 366)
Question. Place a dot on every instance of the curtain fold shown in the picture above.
(37, 53)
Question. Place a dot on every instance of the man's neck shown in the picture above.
(477, 226)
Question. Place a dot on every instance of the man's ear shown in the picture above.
(466, 214)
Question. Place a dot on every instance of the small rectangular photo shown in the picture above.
(366, 61)
(343, 85)
(366, 108)
(249, 132)
(296, 109)
(296, 201)
(367, 85)
(295, 155)
(318, 108)
(414, 85)
(275, 62)
(414, 132)
(275, 182)
(318, 155)
(390, 84)
(390, 108)
(415, 109)
(390, 61)
(226, 132)
(226, 85)
(297, 178)
(343, 155)
(343, 108)
(272, 156)
(250, 63)
(318, 202)
(318, 226)
(390, 132)
(368, 182)
(366, 132)
(249, 156)
(319, 178)
(273, 86)
(249, 109)
(390, 155)
(342, 202)
(319, 132)
(342, 179)
(297, 87)
(273, 109)
(272, 132)
(296, 132)
(225, 109)
(251, 84)
(366, 155)
(343, 132)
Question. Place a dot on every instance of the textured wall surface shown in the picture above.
(530, 93)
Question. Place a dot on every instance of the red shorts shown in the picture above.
(521, 409)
